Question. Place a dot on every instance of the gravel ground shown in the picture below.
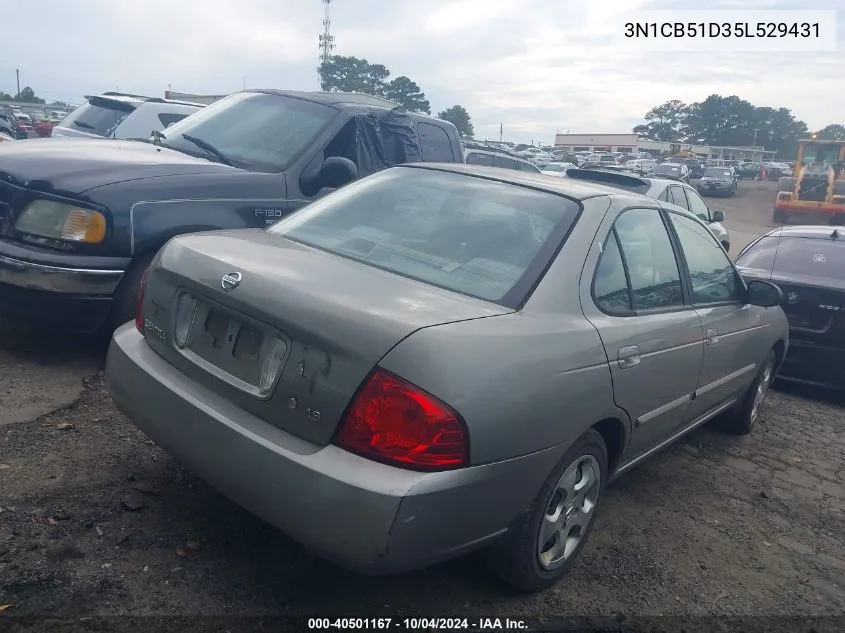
(98, 521)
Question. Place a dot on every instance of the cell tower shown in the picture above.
(326, 37)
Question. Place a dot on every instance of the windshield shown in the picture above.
(717, 173)
(101, 119)
(253, 130)
(819, 258)
(821, 153)
(478, 237)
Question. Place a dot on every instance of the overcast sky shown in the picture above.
(535, 66)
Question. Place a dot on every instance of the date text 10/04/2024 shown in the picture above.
(417, 624)
(749, 30)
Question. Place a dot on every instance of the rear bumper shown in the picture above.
(354, 512)
(815, 365)
(65, 293)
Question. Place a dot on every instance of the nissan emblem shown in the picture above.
(231, 280)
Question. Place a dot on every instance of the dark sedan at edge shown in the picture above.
(808, 263)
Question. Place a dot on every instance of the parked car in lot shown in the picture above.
(717, 181)
(448, 358)
(502, 160)
(557, 168)
(808, 263)
(679, 194)
(749, 171)
(123, 116)
(81, 219)
(672, 171)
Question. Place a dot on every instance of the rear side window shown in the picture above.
(529, 167)
(168, 118)
(678, 197)
(475, 158)
(480, 238)
(435, 144)
(101, 119)
(610, 286)
(504, 163)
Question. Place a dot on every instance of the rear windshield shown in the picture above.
(478, 237)
(667, 169)
(717, 173)
(805, 256)
(101, 119)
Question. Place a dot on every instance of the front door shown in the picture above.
(731, 327)
(652, 336)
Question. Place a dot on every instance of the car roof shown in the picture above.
(571, 188)
(818, 231)
(333, 98)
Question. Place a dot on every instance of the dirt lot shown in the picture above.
(96, 520)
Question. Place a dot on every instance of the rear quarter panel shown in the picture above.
(523, 382)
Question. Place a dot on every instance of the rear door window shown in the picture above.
(678, 197)
(529, 167)
(504, 163)
(435, 145)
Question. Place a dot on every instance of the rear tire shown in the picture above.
(521, 560)
(741, 419)
(780, 217)
(126, 295)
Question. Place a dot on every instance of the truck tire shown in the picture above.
(839, 188)
(126, 295)
(780, 217)
(786, 183)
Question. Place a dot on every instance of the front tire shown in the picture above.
(126, 295)
(538, 552)
(741, 419)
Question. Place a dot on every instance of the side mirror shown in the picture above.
(337, 171)
(764, 294)
(718, 216)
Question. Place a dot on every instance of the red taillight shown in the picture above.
(392, 421)
(139, 305)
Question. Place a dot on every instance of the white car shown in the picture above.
(556, 168)
(122, 116)
(536, 156)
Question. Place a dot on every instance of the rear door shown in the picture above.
(733, 330)
(652, 336)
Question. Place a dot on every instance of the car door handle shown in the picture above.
(628, 356)
(712, 337)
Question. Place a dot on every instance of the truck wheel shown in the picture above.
(123, 307)
(537, 553)
(839, 188)
(780, 217)
(838, 220)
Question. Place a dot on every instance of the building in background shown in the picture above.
(632, 143)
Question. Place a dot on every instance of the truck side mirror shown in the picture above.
(337, 171)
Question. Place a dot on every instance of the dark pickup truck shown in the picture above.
(81, 219)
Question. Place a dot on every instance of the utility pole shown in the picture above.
(754, 142)
(18, 75)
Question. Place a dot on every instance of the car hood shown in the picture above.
(711, 179)
(72, 166)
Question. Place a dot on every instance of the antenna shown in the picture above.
(326, 38)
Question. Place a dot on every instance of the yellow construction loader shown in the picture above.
(817, 185)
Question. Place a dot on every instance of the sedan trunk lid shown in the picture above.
(333, 319)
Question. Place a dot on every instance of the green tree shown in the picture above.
(5, 96)
(664, 122)
(27, 95)
(458, 116)
(832, 132)
(353, 74)
(407, 93)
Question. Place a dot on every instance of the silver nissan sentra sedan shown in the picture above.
(441, 358)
